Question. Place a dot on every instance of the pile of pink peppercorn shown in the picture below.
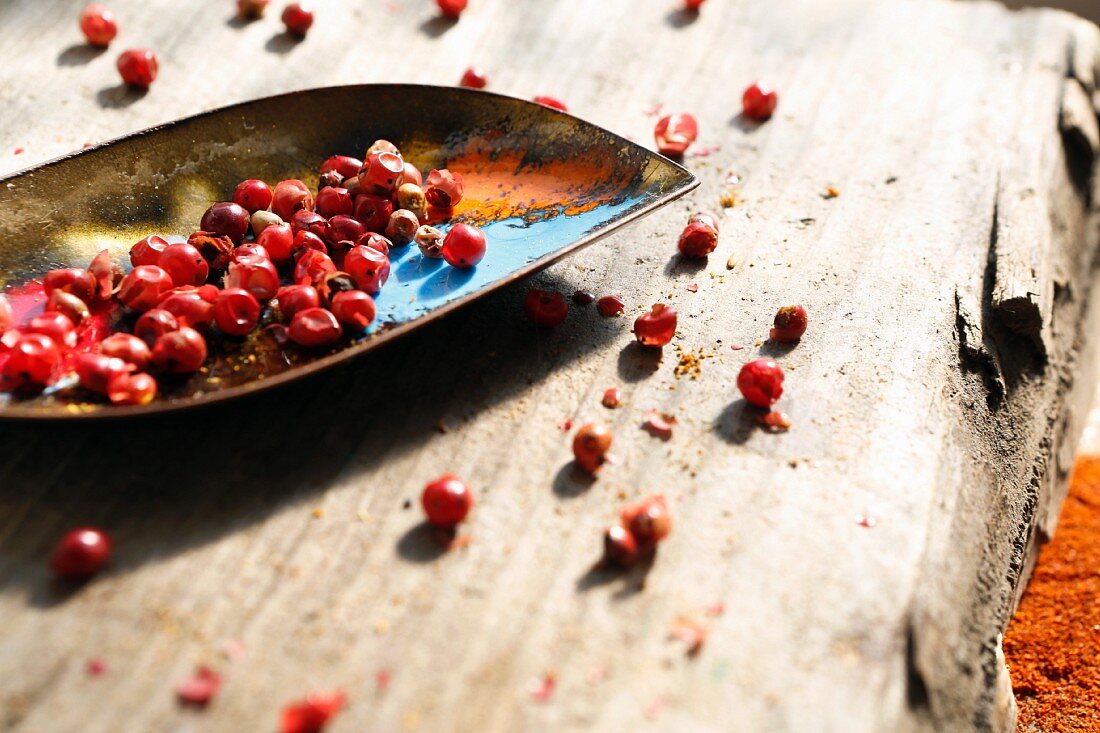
(305, 266)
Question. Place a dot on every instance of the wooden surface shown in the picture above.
(283, 524)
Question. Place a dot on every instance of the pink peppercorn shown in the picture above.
(610, 306)
(295, 298)
(180, 352)
(142, 287)
(675, 133)
(761, 382)
(446, 501)
(298, 19)
(98, 25)
(314, 327)
(474, 78)
(236, 311)
(138, 67)
(369, 267)
(759, 101)
(290, 196)
(147, 251)
(552, 103)
(226, 219)
(444, 188)
(790, 323)
(31, 362)
(464, 246)
(699, 238)
(451, 8)
(545, 308)
(127, 347)
(278, 240)
(657, 327)
(354, 309)
(81, 553)
(131, 389)
(252, 195)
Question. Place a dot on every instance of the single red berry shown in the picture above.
(200, 688)
(345, 165)
(305, 241)
(305, 220)
(98, 25)
(295, 298)
(590, 446)
(127, 347)
(332, 201)
(675, 133)
(298, 19)
(790, 323)
(107, 273)
(474, 78)
(759, 101)
(60, 301)
(180, 352)
(96, 370)
(31, 362)
(73, 280)
(184, 264)
(381, 146)
(552, 103)
(464, 246)
(227, 219)
(314, 327)
(290, 196)
(312, 266)
(56, 325)
(152, 324)
(189, 307)
(610, 306)
(402, 227)
(81, 553)
(342, 231)
(277, 239)
(312, 714)
(373, 212)
(254, 274)
(451, 8)
(612, 398)
(381, 174)
(252, 195)
(619, 546)
(447, 501)
(142, 287)
(545, 308)
(657, 327)
(354, 309)
(236, 311)
(251, 9)
(131, 389)
(251, 249)
(368, 266)
(699, 238)
(412, 175)
(693, 5)
(138, 67)
(648, 520)
(444, 188)
(761, 382)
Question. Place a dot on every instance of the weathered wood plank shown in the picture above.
(931, 118)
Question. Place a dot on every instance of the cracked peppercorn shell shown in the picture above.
(131, 389)
(57, 326)
(154, 323)
(31, 362)
(216, 250)
(94, 371)
(294, 298)
(402, 227)
(656, 327)
(430, 241)
(759, 101)
(127, 347)
(761, 382)
(60, 301)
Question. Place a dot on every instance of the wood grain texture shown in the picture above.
(281, 521)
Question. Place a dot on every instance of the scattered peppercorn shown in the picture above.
(545, 308)
(761, 382)
(611, 398)
(98, 25)
(759, 101)
(81, 553)
(790, 323)
(446, 501)
(312, 714)
(675, 133)
(451, 8)
(474, 78)
(138, 67)
(298, 19)
(610, 306)
(590, 446)
(656, 327)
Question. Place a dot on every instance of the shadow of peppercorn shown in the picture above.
(79, 54)
(422, 543)
(745, 124)
(681, 17)
(236, 21)
(679, 264)
(637, 362)
(777, 349)
(633, 579)
(437, 25)
(738, 421)
(165, 484)
(283, 43)
(120, 96)
(571, 481)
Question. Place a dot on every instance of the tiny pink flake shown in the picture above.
(866, 520)
(693, 288)
(19, 151)
(655, 110)
(234, 650)
(654, 709)
(715, 609)
(200, 688)
(543, 689)
(736, 347)
(382, 680)
(95, 667)
(659, 424)
(566, 424)
(776, 421)
(705, 152)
